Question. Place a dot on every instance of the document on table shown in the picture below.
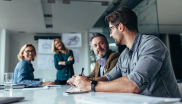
(53, 85)
(39, 88)
(125, 99)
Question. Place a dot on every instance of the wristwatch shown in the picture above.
(93, 84)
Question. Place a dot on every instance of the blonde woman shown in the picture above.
(23, 73)
(63, 61)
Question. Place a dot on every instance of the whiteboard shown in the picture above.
(76, 55)
(45, 62)
(45, 46)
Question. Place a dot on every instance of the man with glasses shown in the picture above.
(144, 67)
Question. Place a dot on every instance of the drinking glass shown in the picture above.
(8, 81)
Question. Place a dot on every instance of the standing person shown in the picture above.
(107, 58)
(23, 73)
(144, 67)
(63, 61)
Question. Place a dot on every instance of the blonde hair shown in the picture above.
(54, 49)
(20, 55)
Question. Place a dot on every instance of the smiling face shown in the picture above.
(100, 46)
(29, 53)
(58, 45)
(117, 35)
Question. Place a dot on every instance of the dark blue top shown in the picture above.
(64, 72)
(148, 65)
(23, 74)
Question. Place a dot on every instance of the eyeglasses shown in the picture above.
(28, 51)
(109, 29)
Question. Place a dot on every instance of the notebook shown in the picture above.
(5, 100)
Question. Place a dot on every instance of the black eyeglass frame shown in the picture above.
(28, 51)
(110, 28)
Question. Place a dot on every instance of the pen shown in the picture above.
(82, 71)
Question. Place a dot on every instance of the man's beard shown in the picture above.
(117, 43)
(103, 55)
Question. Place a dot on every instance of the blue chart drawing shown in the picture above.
(46, 46)
(45, 62)
(73, 40)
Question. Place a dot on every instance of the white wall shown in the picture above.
(4, 53)
(0, 50)
(1, 58)
(18, 40)
(7, 64)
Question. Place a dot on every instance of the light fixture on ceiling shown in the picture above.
(48, 15)
(105, 3)
(21, 31)
(66, 2)
(51, 1)
(49, 26)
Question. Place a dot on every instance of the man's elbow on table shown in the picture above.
(135, 89)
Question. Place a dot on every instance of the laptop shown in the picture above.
(6, 100)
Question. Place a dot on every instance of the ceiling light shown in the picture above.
(49, 25)
(51, 1)
(105, 3)
(21, 31)
(66, 2)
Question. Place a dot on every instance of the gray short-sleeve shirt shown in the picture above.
(148, 65)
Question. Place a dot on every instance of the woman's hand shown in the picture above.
(47, 83)
(70, 58)
(61, 63)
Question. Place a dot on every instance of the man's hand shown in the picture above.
(70, 58)
(83, 83)
(47, 83)
(71, 81)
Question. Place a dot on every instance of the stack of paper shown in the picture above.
(125, 99)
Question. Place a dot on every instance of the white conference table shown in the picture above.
(54, 95)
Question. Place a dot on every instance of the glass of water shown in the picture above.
(8, 81)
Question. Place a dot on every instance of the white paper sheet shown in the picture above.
(32, 89)
(45, 62)
(45, 46)
(76, 55)
(53, 85)
(125, 99)
(72, 40)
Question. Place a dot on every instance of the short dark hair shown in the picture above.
(125, 16)
(98, 35)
